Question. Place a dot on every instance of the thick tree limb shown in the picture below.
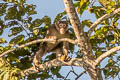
(75, 22)
(106, 54)
(82, 41)
(81, 36)
(98, 21)
(53, 63)
(78, 29)
(37, 41)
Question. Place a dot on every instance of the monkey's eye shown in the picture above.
(62, 25)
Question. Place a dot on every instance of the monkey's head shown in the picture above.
(62, 27)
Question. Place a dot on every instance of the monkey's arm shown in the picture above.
(65, 48)
(65, 56)
(62, 51)
(51, 31)
(51, 34)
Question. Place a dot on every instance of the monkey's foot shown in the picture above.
(65, 58)
(36, 68)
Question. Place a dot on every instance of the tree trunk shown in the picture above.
(95, 74)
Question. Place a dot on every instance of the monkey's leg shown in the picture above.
(60, 54)
(65, 47)
(38, 56)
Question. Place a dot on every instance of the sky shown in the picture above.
(48, 7)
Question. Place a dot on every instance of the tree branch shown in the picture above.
(78, 29)
(98, 21)
(53, 63)
(75, 22)
(106, 54)
(37, 41)
(80, 75)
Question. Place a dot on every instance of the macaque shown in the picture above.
(56, 31)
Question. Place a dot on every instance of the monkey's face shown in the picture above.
(63, 28)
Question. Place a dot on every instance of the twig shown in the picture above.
(80, 75)
(37, 41)
(68, 74)
(74, 71)
(106, 54)
(104, 17)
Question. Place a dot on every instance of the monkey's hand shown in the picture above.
(54, 38)
(36, 63)
(65, 58)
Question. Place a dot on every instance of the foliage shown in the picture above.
(16, 17)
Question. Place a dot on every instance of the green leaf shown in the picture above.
(12, 58)
(15, 31)
(2, 8)
(110, 61)
(35, 31)
(1, 49)
(46, 20)
(55, 71)
(12, 13)
(14, 1)
(1, 31)
(76, 4)
(36, 23)
(98, 11)
(45, 75)
(17, 40)
(86, 23)
(22, 1)
(110, 10)
(12, 23)
(101, 32)
(2, 40)
(82, 3)
(21, 52)
(31, 12)
(30, 9)
(83, 6)
(59, 16)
